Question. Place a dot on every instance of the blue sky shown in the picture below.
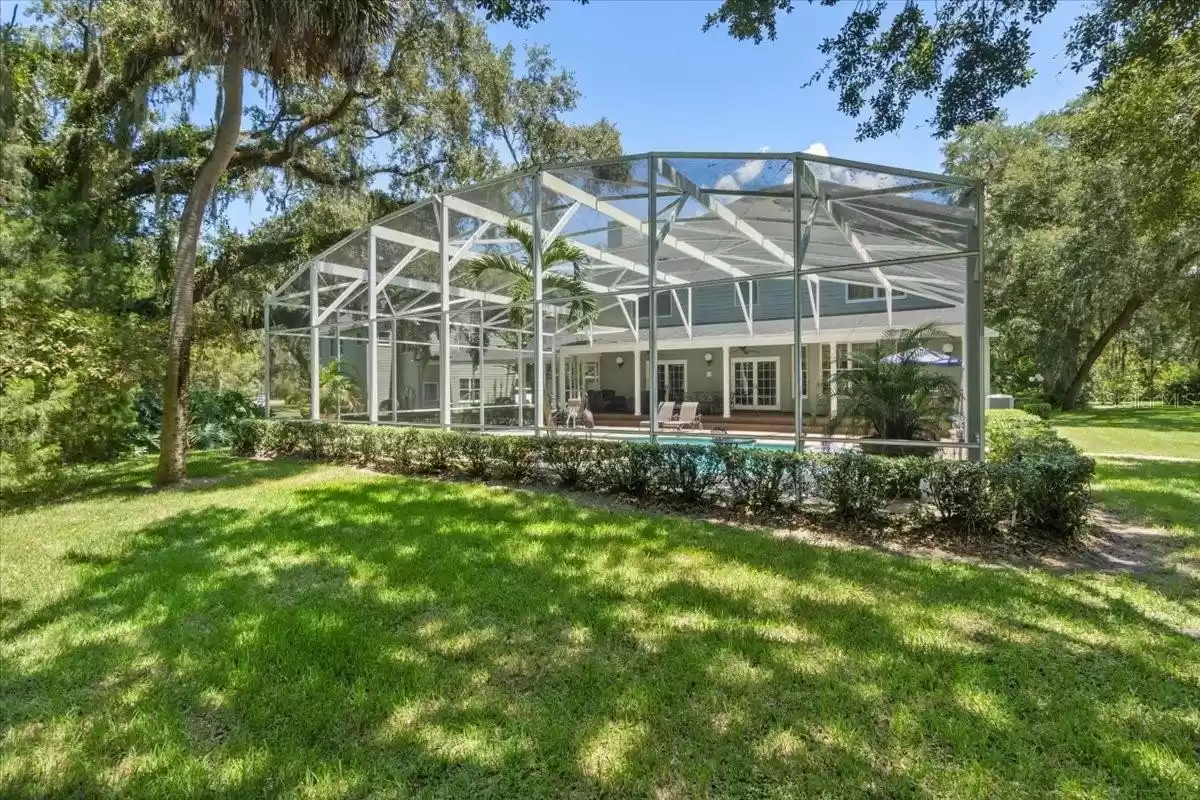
(647, 66)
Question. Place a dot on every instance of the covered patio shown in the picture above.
(729, 252)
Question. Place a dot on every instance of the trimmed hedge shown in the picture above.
(1039, 488)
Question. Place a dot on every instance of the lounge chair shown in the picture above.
(689, 416)
(665, 413)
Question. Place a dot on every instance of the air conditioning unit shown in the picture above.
(1001, 401)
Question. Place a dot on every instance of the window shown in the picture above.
(803, 372)
(756, 383)
(843, 361)
(662, 301)
(672, 380)
(468, 390)
(429, 394)
(858, 293)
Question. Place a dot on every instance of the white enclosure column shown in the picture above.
(539, 372)
(267, 359)
(444, 320)
(482, 412)
(986, 364)
(798, 248)
(372, 333)
(314, 345)
(337, 353)
(637, 380)
(520, 381)
(833, 366)
(727, 394)
(973, 338)
(395, 371)
(652, 270)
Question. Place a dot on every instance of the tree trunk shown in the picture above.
(172, 465)
(1070, 398)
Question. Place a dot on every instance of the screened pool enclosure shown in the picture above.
(731, 287)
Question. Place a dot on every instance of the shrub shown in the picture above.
(477, 455)
(1006, 427)
(903, 476)
(854, 484)
(1039, 409)
(1051, 494)
(758, 480)
(967, 495)
(515, 457)
(438, 451)
(628, 468)
(686, 473)
(247, 436)
(570, 459)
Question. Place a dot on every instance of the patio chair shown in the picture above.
(572, 412)
(665, 413)
(689, 416)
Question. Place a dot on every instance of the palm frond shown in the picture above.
(523, 235)
(562, 251)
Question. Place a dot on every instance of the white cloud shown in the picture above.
(742, 175)
(817, 149)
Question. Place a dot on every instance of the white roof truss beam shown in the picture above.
(595, 253)
(864, 255)
(630, 221)
(693, 191)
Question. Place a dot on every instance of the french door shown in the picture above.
(672, 380)
(756, 383)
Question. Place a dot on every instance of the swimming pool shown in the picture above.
(710, 441)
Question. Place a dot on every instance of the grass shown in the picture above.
(311, 631)
(1164, 494)
(1158, 431)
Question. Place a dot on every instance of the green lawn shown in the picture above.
(1158, 431)
(312, 631)
(1161, 493)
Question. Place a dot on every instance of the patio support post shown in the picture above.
(539, 372)
(314, 345)
(728, 379)
(267, 359)
(482, 416)
(798, 248)
(444, 319)
(637, 380)
(372, 333)
(520, 381)
(337, 339)
(652, 269)
(395, 372)
(973, 332)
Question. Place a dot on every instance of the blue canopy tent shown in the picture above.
(922, 355)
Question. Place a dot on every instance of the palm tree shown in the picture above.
(897, 399)
(338, 390)
(581, 303)
(282, 39)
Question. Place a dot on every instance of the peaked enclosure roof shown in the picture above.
(718, 217)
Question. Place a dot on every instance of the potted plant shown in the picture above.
(894, 392)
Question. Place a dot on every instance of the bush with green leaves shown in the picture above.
(628, 468)
(760, 481)
(1043, 489)
(687, 474)
(1012, 432)
(970, 496)
(1051, 494)
(855, 485)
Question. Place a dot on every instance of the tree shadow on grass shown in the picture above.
(410, 637)
(135, 476)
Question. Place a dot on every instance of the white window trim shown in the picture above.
(669, 313)
(436, 392)
(665, 363)
(474, 387)
(755, 293)
(879, 294)
(733, 362)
